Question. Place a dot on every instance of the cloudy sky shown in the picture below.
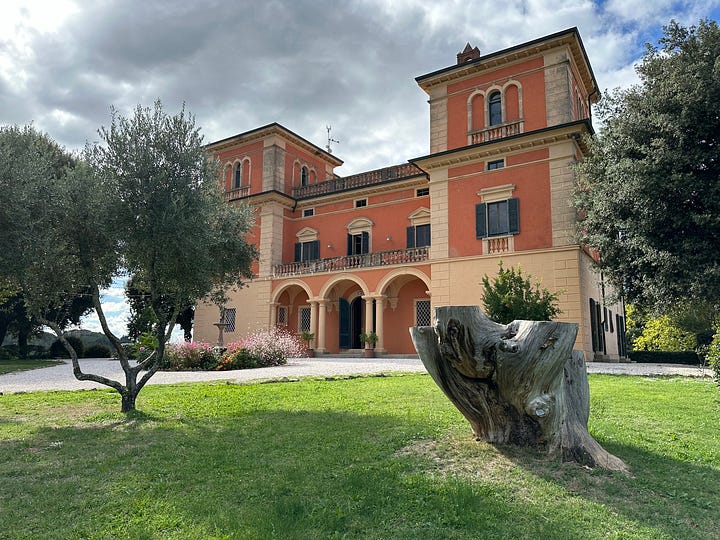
(306, 64)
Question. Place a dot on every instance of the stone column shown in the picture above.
(313, 319)
(322, 311)
(379, 322)
(368, 317)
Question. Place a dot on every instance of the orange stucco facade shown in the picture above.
(377, 251)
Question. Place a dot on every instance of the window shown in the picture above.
(418, 236)
(358, 244)
(308, 212)
(360, 203)
(304, 176)
(307, 251)
(422, 313)
(282, 315)
(304, 319)
(229, 319)
(422, 192)
(495, 109)
(237, 184)
(496, 164)
(497, 218)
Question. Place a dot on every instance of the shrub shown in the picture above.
(713, 355)
(7, 354)
(240, 359)
(58, 350)
(97, 351)
(665, 357)
(510, 296)
(270, 348)
(189, 356)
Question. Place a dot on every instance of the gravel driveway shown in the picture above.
(60, 377)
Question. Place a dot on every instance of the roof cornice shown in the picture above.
(523, 141)
(269, 130)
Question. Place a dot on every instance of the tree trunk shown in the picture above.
(128, 401)
(519, 383)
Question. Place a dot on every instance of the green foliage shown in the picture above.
(712, 355)
(97, 351)
(510, 296)
(647, 191)
(239, 359)
(58, 350)
(662, 334)
(687, 357)
(144, 201)
(371, 338)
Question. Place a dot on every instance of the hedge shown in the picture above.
(663, 357)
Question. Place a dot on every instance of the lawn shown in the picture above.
(8, 366)
(376, 457)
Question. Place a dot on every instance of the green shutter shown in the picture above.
(298, 251)
(513, 216)
(410, 237)
(315, 252)
(480, 220)
(365, 247)
(350, 244)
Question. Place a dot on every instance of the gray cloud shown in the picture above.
(304, 64)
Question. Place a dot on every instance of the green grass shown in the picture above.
(8, 366)
(360, 458)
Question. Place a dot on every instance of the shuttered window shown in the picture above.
(358, 244)
(307, 251)
(497, 218)
(418, 236)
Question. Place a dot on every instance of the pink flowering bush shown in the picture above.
(263, 349)
(189, 356)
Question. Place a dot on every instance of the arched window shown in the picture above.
(237, 183)
(495, 109)
(304, 176)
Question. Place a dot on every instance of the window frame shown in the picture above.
(229, 317)
(307, 251)
(415, 311)
(412, 236)
(361, 203)
(425, 192)
(495, 164)
(495, 108)
(301, 310)
(308, 212)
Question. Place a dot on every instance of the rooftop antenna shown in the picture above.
(330, 140)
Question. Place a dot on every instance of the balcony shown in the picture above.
(499, 131)
(237, 193)
(369, 178)
(351, 262)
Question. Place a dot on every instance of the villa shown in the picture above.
(377, 251)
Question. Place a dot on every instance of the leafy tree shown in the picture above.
(142, 317)
(145, 201)
(648, 191)
(663, 334)
(510, 296)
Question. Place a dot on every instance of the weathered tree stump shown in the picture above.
(518, 384)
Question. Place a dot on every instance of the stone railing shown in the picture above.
(237, 193)
(382, 258)
(356, 180)
(497, 132)
(499, 244)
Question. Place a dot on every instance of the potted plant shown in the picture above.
(307, 337)
(369, 340)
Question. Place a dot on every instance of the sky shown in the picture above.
(306, 64)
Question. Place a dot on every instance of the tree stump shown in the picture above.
(518, 384)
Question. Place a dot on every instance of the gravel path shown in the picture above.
(60, 377)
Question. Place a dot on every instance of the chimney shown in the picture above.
(468, 53)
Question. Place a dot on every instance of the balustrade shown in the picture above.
(349, 262)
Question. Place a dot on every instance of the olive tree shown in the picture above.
(145, 201)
